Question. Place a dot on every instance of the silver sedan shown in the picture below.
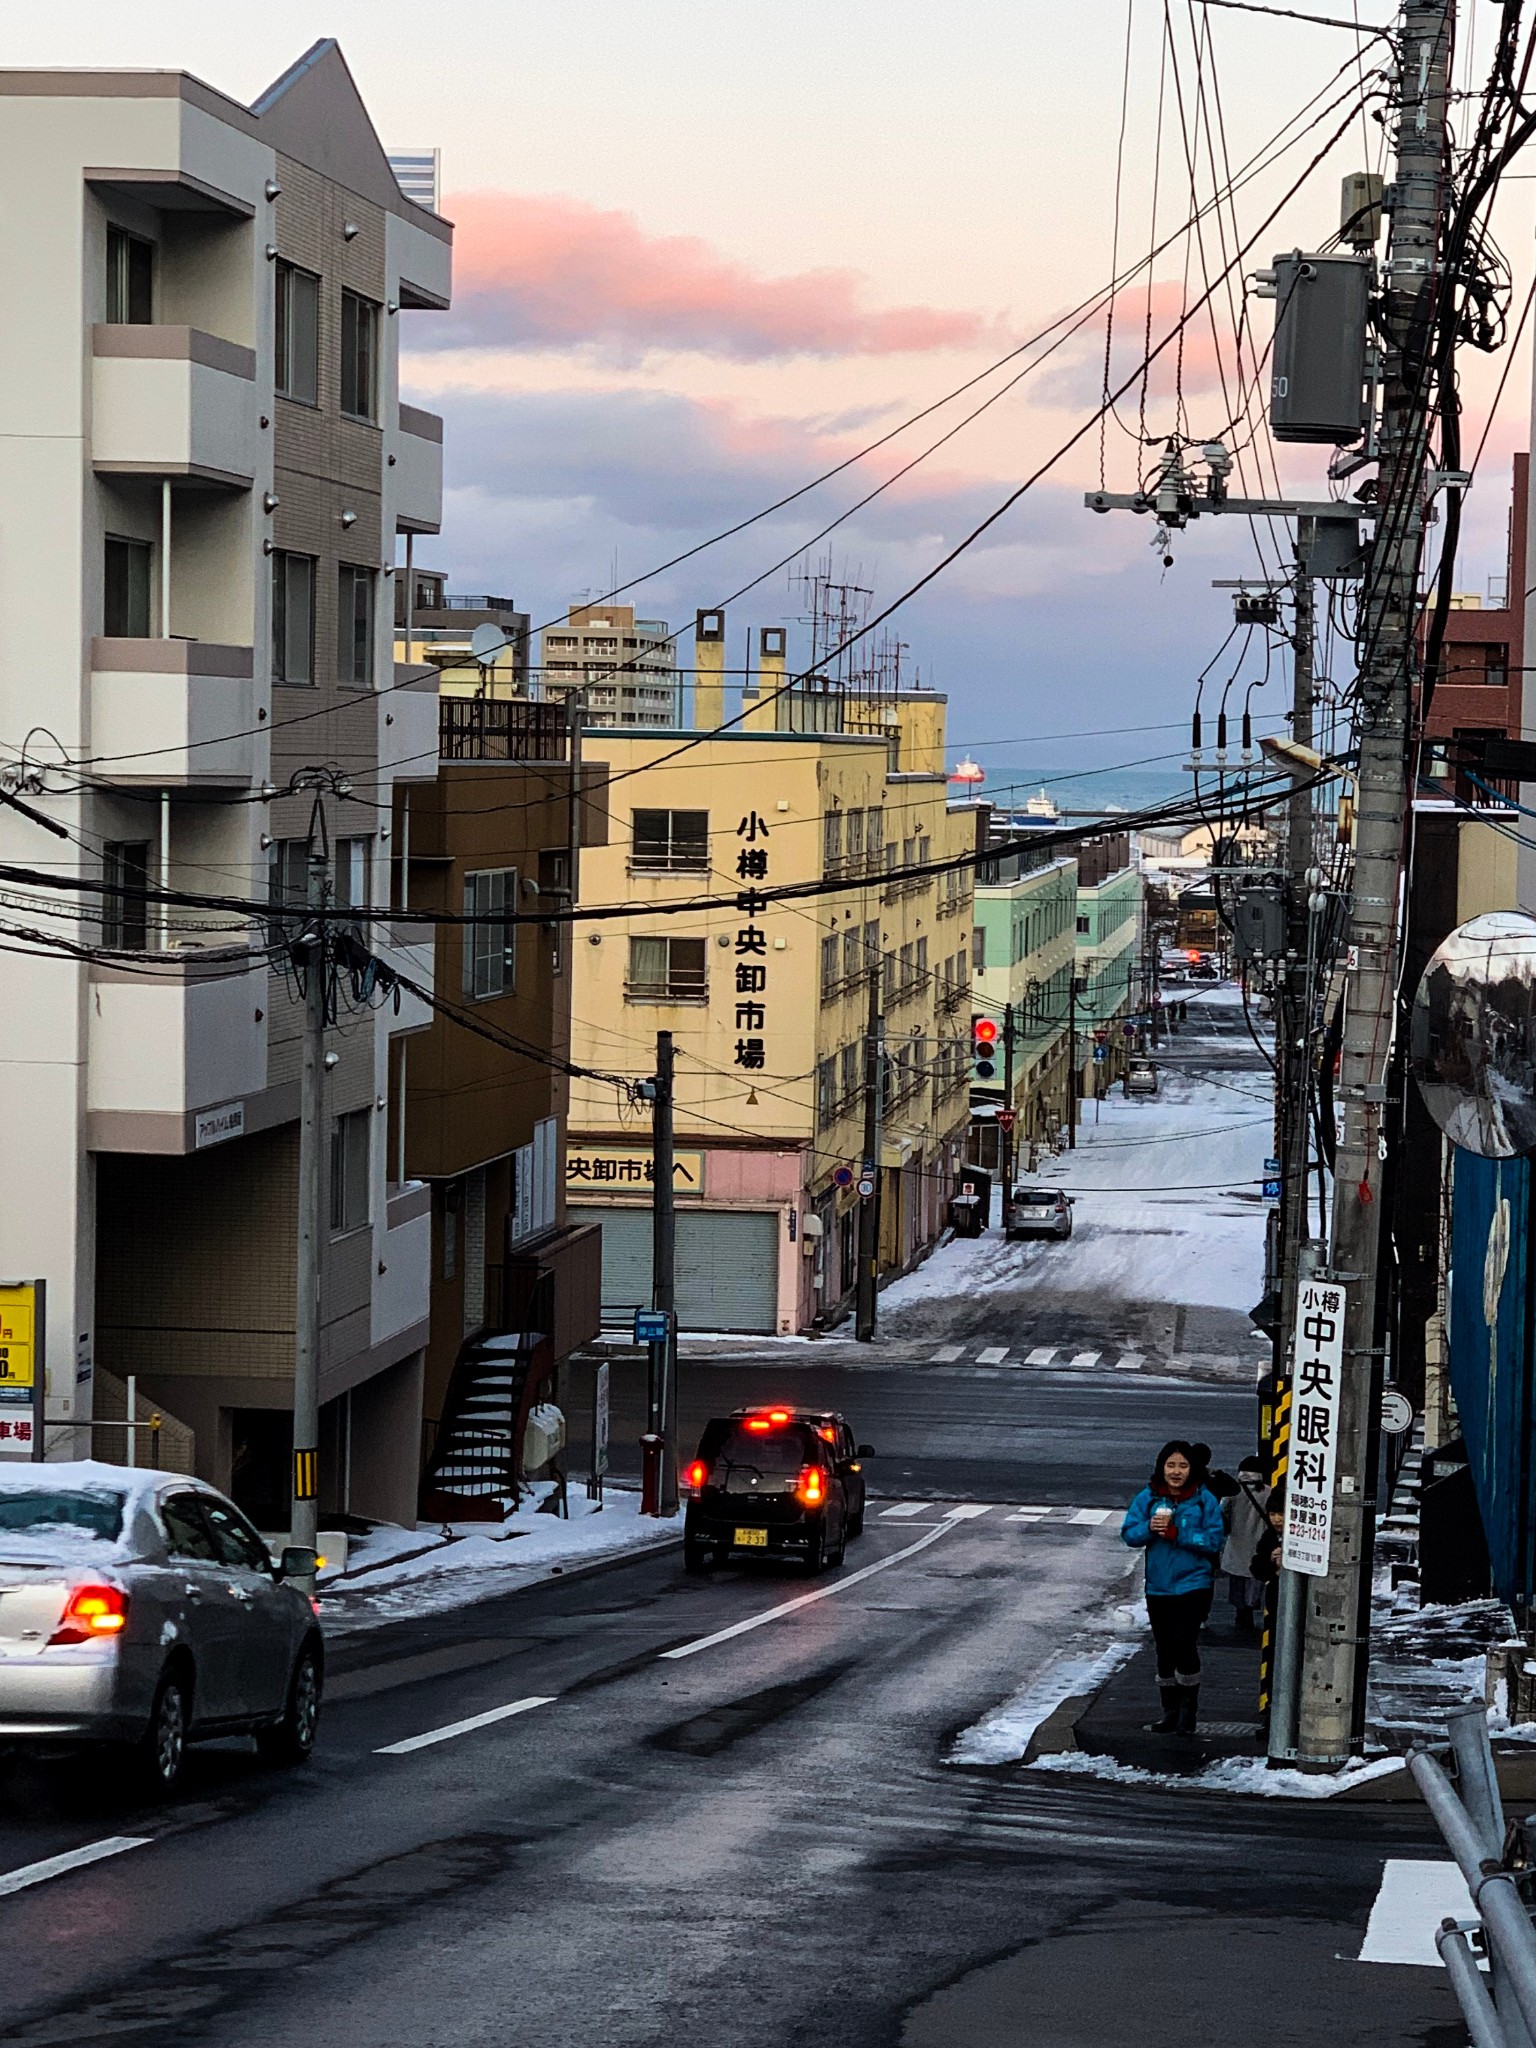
(142, 1609)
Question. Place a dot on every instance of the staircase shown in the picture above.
(472, 1472)
(1397, 1533)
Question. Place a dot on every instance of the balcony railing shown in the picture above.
(501, 729)
(681, 989)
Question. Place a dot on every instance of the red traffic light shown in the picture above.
(984, 1031)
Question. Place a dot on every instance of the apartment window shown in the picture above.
(298, 334)
(352, 873)
(354, 626)
(293, 619)
(359, 357)
(888, 982)
(853, 837)
(124, 918)
(874, 836)
(349, 1171)
(130, 279)
(832, 838)
(826, 1091)
(830, 953)
(922, 961)
(288, 872)
(853, 947)
(125, 611)
(906, 969)
(1082, 927)
(852, 1058)
(871, 947)
(490, 945)
(667, 971)
(666, 841)
(979, 949)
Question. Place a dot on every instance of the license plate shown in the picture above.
(750, 1539)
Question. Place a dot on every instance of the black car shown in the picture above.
(774, 1482)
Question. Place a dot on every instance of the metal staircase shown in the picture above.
(472, 1474)
(1397, 1533)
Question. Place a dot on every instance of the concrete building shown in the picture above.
(1023, 954)
(768, 1001)
(626, 665)
(204, 465)
(434, 624)
(1110, 966)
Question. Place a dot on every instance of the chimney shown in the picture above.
(708, 671)
(768, 710)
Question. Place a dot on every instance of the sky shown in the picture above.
(706, 252)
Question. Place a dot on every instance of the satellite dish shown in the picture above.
(487, 641)
(1473, 1038)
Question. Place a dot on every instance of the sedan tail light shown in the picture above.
(811, 1491)
(92, 1612)
(694, 1476)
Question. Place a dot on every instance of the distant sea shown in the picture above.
(1092, 789)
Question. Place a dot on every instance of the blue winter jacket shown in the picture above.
(1186, 1561)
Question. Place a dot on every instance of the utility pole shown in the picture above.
(663, 1355)
(306, 1347)
(869, 1205)
(1337, 1617)
(1008, 1154)
(1072, 1057)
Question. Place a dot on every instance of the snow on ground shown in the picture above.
(1168, 1197)
(424, 1572)
(1249, 1775)
(1003, 1735)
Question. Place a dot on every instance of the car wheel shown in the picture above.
(816, 1550)
(836, 1557)
(856, 1524)
(162, 1749)
(695, 1559)
(290, 1740)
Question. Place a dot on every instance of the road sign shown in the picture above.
(842, 1176)
(1271, 1168)
(1100, 1055)
(866, 1184)
(600, 1422)
(1396, 1411)
(1271, 1191)
(652, 1326)
(1006, 1119)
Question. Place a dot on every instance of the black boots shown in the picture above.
(1189, 1707)
(1172, 1703)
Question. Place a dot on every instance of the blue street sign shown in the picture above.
(1271, 1191)
(1271, 1167)
(651, 1326)
(1100, 1055)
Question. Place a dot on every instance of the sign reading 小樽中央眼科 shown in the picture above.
(618, 1169)
(1314, 1428)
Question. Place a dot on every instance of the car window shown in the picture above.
(237, 1541)
(186, 1532)
(771, 1452)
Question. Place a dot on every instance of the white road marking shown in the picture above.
(73, 1859)
(1029, 1515)
(1090, 1518)
(1042, 1356)
(1129, 1361)
(904, 1508)
(1414, 1898)
(1084, 1358)
(741, 1628)
(993, 1355)
(947, 1354)
(969, 1511)
(468, 1727)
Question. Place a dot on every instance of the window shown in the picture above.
(826, 1091)
(125, 918)
(354, 625)
(130, 279)
(852, 1055)
(298, 334)
(349, 1171)
(922, 961)
(125, 610)
(853, 955)
(830, 953)
(535, 1175)
(288, 872)
(236, 1541)
(490, 946)
(352, 873)
(1082, 926)
(979, 949)
(293, 619)
(667, 971)
(853, 837)
(832, 839)
(359, 357)
(874, 837)
(667, 841)
(187, 1534)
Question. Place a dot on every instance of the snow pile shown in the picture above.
(477, 1560)
(1246, 1775)
(1003, 1736)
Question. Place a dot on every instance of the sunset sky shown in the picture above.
(706, 251)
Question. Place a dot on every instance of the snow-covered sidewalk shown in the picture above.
(393, 1574)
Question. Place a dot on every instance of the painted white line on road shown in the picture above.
(1084, 1358)
(903, 1509)
(1130, 1361)
(1090, 1518)
(993, 1355)
(468, 1727)
(947, 1354)
(1029, 1514)
(73, 1859)
(969, 1511)
(741, 1628)
(1042, 1355)
(1414, 1898)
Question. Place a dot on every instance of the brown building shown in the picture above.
(515, 1286)
(1478, 691)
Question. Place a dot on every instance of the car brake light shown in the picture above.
(778, 1415)
(92, 1611)
(810, 1490)
(694, 1476)
(758, 1422)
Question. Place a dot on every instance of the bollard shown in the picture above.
(652, 1446)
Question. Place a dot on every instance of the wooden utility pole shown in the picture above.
(869, 1170)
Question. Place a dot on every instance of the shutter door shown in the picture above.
(727, 1266)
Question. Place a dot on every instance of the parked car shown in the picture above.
(774, 1482)
(1141, 1077)
(1037, 1212)
(142, 1609)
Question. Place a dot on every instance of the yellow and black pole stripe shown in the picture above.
(306, 1475)
(1279, 1446)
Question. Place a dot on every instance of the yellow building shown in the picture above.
(767, 1000)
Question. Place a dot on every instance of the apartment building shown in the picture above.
(438, 625)
(204, 465)
(1109, 967)
(626, 665)
(1023, 957)
(768, 1001)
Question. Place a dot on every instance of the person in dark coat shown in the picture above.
(1245, 1512)
(1177, 1521)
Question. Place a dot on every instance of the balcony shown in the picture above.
(175, 1048)
(501, 729)
(418, 478)
(174, 402)
(173, 714)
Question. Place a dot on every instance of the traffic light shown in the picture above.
(983, 1049)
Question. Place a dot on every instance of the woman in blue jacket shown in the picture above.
(1178, 1522)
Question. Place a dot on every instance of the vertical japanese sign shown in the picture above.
(751, 945)
(21, 1369)
(1314, 1427)
(600, 1422)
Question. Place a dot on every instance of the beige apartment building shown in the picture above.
(767, 1001)
(204, 466)
(625, 665)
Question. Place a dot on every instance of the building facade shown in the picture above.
(1023, 957)
(624, 664)
(204, 465)
(1109, 967)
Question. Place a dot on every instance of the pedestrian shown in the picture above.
(1265, 1562)
(1245, 1513)
(1177, 1521)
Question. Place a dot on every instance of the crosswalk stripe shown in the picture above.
(993, 1355)
(1090, 1518)
(947, 1354)
(1041, 1356)
(1029, 1514)
(1128, 1361)
(903, 1509)
(968, 1511)
(1085, 1358)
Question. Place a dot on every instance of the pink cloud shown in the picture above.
(534, 271)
